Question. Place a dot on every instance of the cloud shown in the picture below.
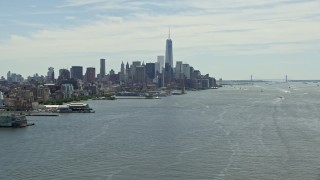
(33, 6)
(70, 18)
(28, 24)
(75, 3)
(220, 28)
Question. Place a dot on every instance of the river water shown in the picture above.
(263, 131)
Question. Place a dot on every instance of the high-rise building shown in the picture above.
(122, 68)
(64, 74)
(77, 72)
(140, 74)
(196, 74)
(192, 73)
(168, 74)
(122, 73)
(102, 68)
(133, 68)
(179, 70)
(150, 70)
(157, 67)
(111, 72)
(8, 75)
(50, 74)
(16, 78)
(205, 83)
(127, 66)
(186, 71)
(128, 73)
(113, 76)
(91, 74)
(160, 60)
(169, 53)
(135, 64)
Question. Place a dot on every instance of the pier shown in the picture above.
(136, 97)
(42, 114)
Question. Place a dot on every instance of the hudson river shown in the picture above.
(263, 131)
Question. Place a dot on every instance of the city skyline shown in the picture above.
(228, 39)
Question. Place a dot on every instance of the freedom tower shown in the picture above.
(169, 56)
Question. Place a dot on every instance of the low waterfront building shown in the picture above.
(19, 99)
(43, 93)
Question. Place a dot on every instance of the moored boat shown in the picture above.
(14, 120)
(75, 108)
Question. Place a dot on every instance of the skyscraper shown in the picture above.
(122, 73)
(179, 70)
(122, 68)
(50, 74)
(186, 71)
(168, 74)
(8, 75)
(64, 74)
(150, 71)
(91, 74)
(157, 67)
(102, 68)
(160, 60)
(128, 74)
(134, 65)
(169, 55)
(77, 72)
(140, 74)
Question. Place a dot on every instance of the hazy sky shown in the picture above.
(231, 39)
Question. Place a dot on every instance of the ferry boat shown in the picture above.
(75, 108)
(176, 93)
(14, 120)
(148, 96)
(151, 96)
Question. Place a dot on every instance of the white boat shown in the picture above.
(75, 108)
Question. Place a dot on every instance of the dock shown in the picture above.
(130, 97)
(136, 97)
(42, 114)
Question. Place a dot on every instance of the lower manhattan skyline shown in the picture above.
(229, 39)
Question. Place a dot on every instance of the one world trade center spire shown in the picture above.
(169, 54)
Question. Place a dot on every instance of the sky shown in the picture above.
(229, 39)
